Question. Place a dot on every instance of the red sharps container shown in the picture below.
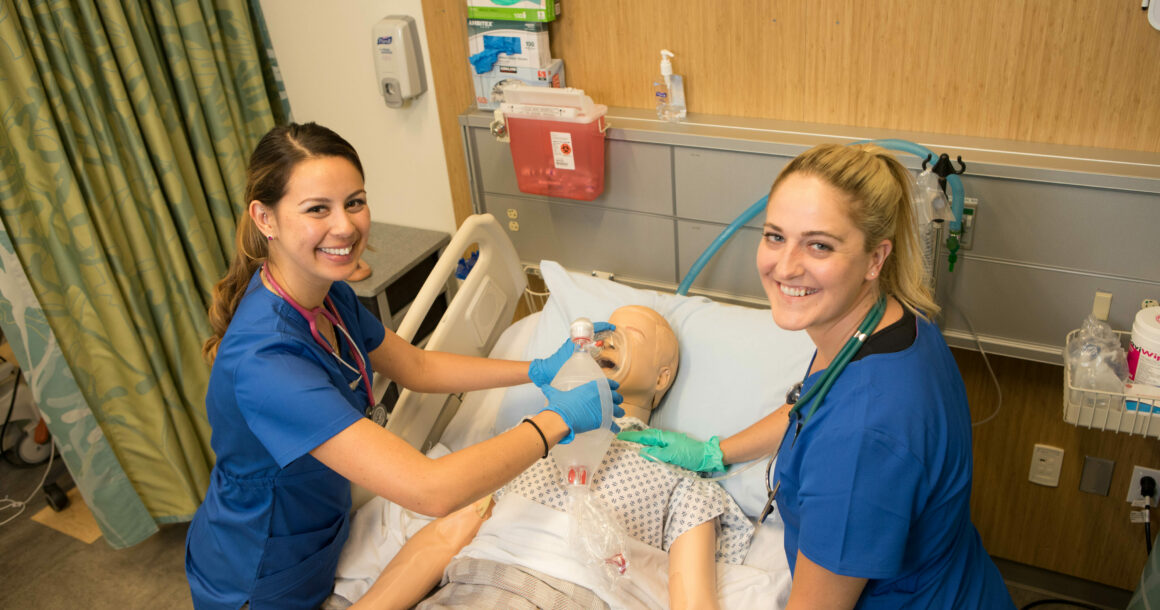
(557, 141)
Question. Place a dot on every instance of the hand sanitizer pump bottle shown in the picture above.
(669, 91)
(579, 459)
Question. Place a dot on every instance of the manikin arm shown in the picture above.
(418, 566)
(692, 568)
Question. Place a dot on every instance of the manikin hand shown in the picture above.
(543, 370)
(580, 407)
(677, 448)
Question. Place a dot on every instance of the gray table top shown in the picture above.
(392, 251)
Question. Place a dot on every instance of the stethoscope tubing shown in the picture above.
(335, 320)
(817, 392)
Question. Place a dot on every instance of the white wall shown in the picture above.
(324, 53)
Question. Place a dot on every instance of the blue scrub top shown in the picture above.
(877, 484)
(274, 518)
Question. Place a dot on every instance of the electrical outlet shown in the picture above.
(1102, 305)
(1139, 472)
(970, 217)
(1046, 462)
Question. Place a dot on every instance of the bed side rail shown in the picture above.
(482, 307)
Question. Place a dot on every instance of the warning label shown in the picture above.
(562, 150)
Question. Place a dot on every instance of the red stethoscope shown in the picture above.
(336, 321)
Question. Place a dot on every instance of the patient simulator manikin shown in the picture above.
(649, 502)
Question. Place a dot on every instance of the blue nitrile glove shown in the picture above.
(677, 448)
(580, 407)
(492, 47)
(543, 370)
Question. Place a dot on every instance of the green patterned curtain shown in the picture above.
(125, 127)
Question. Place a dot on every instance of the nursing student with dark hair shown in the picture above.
(293, 352)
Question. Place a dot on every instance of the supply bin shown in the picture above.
(557, 141)
(1134, 410)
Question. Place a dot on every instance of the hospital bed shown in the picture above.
(735, 367)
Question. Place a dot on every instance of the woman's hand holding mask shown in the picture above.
(543, 370)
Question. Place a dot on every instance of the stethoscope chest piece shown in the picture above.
(378, 414)
(794, 394)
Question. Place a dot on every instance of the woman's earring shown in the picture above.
(269, 238)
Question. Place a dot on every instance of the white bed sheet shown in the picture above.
(380, 528)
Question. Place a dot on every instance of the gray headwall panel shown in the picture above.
(1031, 304)
(733, 270)
(585, 238)
(716, 185)
(1054, 225)
(1070, 227)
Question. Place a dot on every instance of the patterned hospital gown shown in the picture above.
(654, 503)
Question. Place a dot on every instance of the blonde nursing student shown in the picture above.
(873, 470)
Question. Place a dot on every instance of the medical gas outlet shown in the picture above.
(970, 215)
(399, 60)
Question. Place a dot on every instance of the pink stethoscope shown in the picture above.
(336, 321)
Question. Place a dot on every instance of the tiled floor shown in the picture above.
(43, 568)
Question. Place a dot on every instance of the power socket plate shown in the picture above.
(1139, 472)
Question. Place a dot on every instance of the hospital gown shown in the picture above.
(654, 503)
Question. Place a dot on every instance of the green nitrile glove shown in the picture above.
(677, 448)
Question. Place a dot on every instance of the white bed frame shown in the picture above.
(483, 306)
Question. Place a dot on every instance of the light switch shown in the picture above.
(1046, 462)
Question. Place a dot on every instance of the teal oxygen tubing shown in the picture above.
(953, 180)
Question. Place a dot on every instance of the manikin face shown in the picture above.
(812, 260)
(320, 226)
(640, 355)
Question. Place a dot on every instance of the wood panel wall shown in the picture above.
(1056, 528)
(446, 24)
(1081, 72)
(1075, 72)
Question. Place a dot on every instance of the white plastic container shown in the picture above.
(1144, 347)
(579, 459)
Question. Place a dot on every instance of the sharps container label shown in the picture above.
(562, 150)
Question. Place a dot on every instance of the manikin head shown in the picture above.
(642, 356)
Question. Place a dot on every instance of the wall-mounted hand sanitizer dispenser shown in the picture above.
(399, 60)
